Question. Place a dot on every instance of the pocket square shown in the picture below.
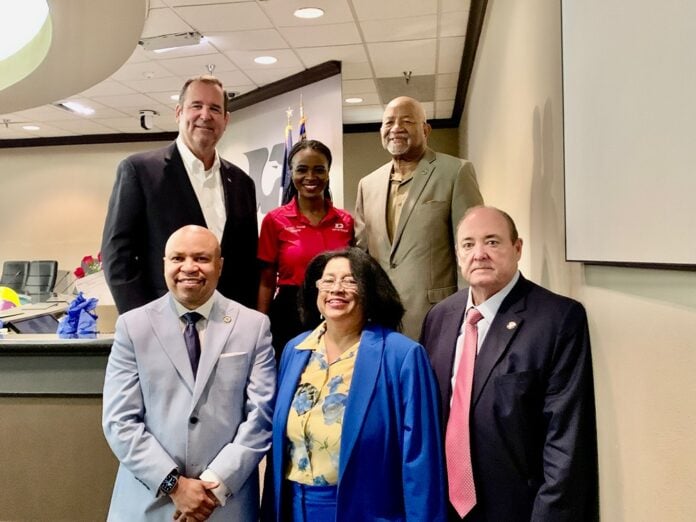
(231, 354)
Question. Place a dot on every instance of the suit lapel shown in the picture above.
(180, 185)
(367, 367)
(167, 327)
(443, 360)
(222, 320)
(506, 324)
(424, 171)
(376, 202)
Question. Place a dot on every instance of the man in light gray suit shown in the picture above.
(189, 420)
(408, 209)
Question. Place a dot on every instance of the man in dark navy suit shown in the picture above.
(185, 183)
(530, 414)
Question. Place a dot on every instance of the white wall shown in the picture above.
(642, 322)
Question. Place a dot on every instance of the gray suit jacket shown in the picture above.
(157, 417)
(421, 260)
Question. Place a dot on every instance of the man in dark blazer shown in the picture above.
(185, 183)
(531, 423)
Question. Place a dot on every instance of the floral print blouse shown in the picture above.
(316, 414)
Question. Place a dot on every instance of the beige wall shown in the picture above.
(642, 322)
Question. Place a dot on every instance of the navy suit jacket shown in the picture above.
(533, 435)
(152, 198)
(391, 464)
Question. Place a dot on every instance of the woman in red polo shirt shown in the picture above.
(291, 235)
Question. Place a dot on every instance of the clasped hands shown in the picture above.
(193, 499)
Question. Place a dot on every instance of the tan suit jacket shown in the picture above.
(421, 260)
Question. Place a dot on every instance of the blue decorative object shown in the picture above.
(80, 320)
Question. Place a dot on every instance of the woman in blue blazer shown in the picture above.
(356, 426)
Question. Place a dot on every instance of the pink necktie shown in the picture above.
(462, 492)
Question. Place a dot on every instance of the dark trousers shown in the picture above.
(284, 314)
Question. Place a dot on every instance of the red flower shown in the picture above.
(79, 272)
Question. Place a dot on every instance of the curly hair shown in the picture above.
(380, 301)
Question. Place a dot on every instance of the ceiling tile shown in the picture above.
(281, 12)
(46, 113)
(126, 101)
(384, 9)
(355, 71)
(449, 6)
(444, 109)
(334, 34)
(235, 80)
(107, 88)
(196, 65)
(453, 24)
(355, 86)
(140, 71)
(245, 59)
(413, 28)
(450, 57)
(362, 114)
(446, 80)
(354, 54)
(167, 84)
(175, 3)
(85, 127)
(164, 21)
(448, 93)
(263, 77)
(393, 58)
(225, 17)
(369, 98)
(260, 39)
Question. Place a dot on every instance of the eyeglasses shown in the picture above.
(346, 283)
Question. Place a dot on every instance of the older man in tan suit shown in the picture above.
(408, 209)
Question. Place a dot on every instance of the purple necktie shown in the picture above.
(460, 475)
(193, 343)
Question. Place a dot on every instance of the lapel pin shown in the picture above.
(227, 319)
(511, 325)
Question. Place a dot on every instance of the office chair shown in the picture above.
(14, 275)
(41, 279)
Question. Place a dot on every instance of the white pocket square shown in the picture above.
(231, 354)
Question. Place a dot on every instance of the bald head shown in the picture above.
(192, 265)
(404, 130)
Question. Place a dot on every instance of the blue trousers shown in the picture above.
(312, 503)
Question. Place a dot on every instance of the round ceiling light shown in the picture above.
(309, 12)
(354, 100)
(265, 60)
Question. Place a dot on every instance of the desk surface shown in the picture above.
(51, 344)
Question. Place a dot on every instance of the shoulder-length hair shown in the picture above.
(380, 301)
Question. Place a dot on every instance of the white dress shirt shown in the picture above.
(207, 184)
(488, 310)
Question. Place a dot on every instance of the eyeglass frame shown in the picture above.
(330, 284)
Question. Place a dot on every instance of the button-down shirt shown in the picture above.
(489, 308)
(207, 184)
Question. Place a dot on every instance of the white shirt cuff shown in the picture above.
(221, 492)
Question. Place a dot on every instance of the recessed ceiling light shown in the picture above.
(354, 100)
(309, 12)
(31, 127)
(174, 97)
(76, 107)
(265, 60)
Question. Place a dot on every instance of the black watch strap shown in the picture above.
(169, 482)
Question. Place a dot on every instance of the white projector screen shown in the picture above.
(629, 99)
